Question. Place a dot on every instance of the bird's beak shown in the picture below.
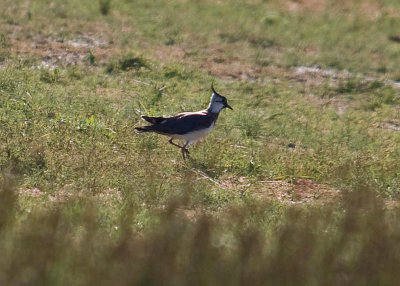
(227, 105)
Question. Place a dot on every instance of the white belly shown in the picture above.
(192, 137)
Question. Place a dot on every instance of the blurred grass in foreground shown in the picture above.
(353, 241)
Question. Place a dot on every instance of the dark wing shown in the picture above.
(153, 119)
(184, 122)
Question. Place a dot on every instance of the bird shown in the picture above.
(187, 126)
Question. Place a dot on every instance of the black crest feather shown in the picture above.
(212, 87)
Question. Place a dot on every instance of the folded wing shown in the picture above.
(181, 123)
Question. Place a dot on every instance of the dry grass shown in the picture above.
(351, 241)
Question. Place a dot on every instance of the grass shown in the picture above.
(86, 200)
(354, 242)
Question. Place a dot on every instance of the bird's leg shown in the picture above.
(170, 141)
(185, 151)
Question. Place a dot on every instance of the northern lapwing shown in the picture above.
(187, 126)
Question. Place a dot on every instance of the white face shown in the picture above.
(215, 104)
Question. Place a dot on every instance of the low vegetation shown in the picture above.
(297, 186)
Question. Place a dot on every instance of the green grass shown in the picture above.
(314, 93)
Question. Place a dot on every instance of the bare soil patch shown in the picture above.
(66, 194)
(315, 76)
(392, 125)
(298, 191)
(55, 51)
(169, 53)
(218, 62)
(232, 70)
(293, 192)
(305, 5)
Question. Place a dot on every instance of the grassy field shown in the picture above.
(298, 185)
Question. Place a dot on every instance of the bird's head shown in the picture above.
(218, 102)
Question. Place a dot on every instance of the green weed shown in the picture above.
(105, 6)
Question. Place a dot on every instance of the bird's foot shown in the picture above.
(185, 153)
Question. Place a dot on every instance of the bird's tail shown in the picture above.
(144, 129)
